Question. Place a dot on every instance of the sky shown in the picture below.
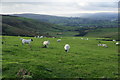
(58, 7)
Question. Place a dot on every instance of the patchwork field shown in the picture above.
(84, 60)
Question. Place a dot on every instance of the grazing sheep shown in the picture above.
(81, 38)
(117, 43)
(104, 45)
(114, 40)
(41, 36)
(99, 44)
(58, 40)
(67, 47)
(26, 41)
(38, 36)
(87, 39)
(46, 43)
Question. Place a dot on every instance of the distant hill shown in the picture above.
(15, 26)
(88, 21)
(97, 16)
(12, 25)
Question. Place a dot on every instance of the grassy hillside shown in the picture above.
(73, 21)
(104, 32)
(12, 25)
(84, 60)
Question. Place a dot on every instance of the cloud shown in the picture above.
(60, 0)
(58, 8)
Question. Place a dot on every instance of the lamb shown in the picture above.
(46, 43)
(58, 40)
(26, 41)
(67, 47)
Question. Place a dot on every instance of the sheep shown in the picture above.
(26, 41)
(58, 40)
(104, 45)
(81, 38)
(99, 44)
(46, 43)
(87, 39)
(41, 37)
(117, 43)
(38, 36)
(114, 40)
(67, 47)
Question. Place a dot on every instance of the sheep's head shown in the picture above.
(31, 39)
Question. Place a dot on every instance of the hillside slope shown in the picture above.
(12, 25)
(72, 21)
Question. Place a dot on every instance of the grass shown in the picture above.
(108, 32)
(84, 60)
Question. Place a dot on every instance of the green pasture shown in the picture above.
(84, 60)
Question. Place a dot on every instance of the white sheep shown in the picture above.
(38, 36)
(41, 37)
(26, 41)
(67, 47)
(82, 38)
(46, 43)
(104, 45)
(117, 43)
(59, 40)
(99, 44)
(114, 40)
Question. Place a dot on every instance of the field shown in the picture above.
(108, 32)
(84, 60)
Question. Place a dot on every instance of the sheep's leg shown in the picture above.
(67, 50)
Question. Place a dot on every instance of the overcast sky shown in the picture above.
(58, 7)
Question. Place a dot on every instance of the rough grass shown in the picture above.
(84, 60)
